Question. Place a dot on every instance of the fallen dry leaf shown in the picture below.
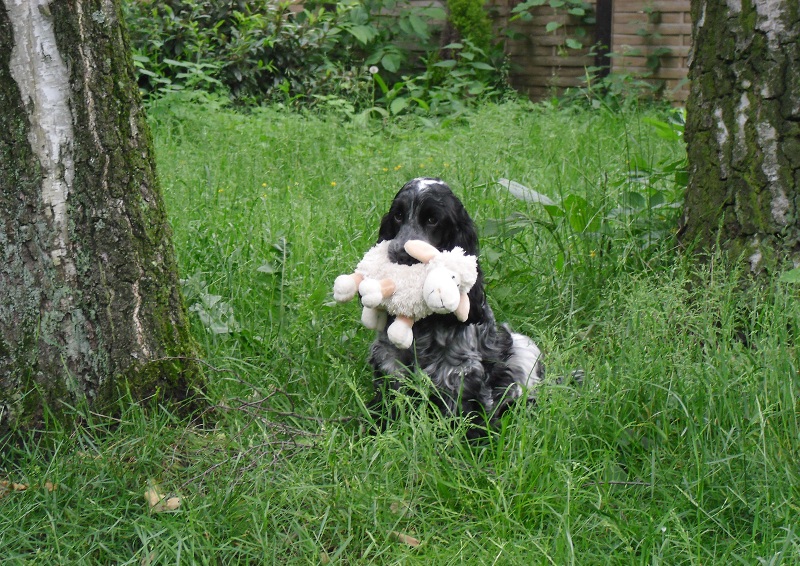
(7, 487)
(405, 539)
(158, 502)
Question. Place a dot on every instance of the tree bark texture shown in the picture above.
(743, 130)
(89, 297)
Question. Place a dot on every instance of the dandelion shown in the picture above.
(397, 167)
(592, 254)
(333, 183)
(385, 169)
(264, 185)
(373, 70)
(220, 190)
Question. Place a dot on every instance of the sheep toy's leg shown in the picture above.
(400, 333)
(462, 311)
(345, 287)
(374, 319)
(374, 291)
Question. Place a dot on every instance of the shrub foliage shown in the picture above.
(266, 51)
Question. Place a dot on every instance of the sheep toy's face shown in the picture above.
(441, 290)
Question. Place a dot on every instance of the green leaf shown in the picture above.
(576, 11)
(381, 83)
(267, 268)
(422, 104)
(552, 26)
(633, 199)
(363, 33)
(419, 26)
(573, 43)
(391, 62)
(657, 199)
(527, 5)
(482, 66)
(582, 216)
(435, 13)
(446, 64)
(398, 105)
(665, 130)
(476, 87)
(791, 276)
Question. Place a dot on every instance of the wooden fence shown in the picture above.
(649, 39)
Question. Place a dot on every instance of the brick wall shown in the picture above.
(639, 29)
(638, 33)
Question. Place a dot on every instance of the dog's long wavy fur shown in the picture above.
(477, 368)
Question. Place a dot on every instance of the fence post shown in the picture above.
(603, 13)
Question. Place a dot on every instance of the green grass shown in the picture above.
(681, 447)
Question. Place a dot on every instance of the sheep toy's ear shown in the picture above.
(421, 251)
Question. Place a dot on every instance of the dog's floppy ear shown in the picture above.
(477, 301)
(388, 230)
(464, 234)
(466, 237)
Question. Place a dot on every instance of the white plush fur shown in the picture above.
(409, 292)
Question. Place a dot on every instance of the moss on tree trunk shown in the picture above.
(743, 130)
(89, 288)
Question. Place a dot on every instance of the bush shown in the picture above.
(262, 50)
(253, 49)
(472, 22)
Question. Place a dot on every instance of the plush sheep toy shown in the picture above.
(439, 284)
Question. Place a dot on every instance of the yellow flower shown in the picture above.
(264, 185)
(397, 167)
(219, 191)
(385, 169)
(446, 165)
(592, 253)
(333, 183)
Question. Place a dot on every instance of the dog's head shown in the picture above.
(426, 209)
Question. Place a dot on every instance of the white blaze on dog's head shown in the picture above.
(424, 183)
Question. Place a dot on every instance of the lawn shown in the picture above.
(680, 447)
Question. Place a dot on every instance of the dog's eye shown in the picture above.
(398, 216)
(431, 221)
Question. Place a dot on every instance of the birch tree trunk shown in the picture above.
(89, 296)
(743, 130)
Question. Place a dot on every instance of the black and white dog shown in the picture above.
(477, 368)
